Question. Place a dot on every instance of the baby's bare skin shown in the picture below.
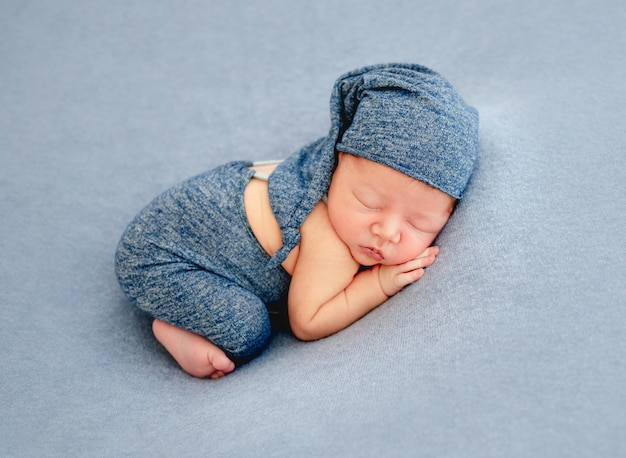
(262, 221)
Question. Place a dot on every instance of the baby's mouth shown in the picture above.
(373, 253)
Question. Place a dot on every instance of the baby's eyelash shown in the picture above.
(364, 204)
(369, 207)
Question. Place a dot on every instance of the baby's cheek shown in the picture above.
(410, 250)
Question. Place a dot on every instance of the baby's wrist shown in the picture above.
(378, 269)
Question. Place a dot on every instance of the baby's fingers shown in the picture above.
(424, 260)
(430, 251)
(413, 270)
(409, 277)
(393, 280)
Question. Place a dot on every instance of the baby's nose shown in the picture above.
(388, 230)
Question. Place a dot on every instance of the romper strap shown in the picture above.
(272, 162)
(261, 175)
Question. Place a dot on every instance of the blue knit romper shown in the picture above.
(190, 258)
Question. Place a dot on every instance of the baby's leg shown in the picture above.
(184, 261)
(195, 354)
(218, 316)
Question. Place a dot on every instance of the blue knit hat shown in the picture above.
(409, 118)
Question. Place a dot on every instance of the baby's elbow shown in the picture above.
(303, 329)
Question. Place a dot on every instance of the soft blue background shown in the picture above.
(512, 345)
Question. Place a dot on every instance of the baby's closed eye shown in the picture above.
(367, 202)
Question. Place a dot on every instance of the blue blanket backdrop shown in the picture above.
(513, 344)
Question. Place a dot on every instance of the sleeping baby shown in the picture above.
(323, 237)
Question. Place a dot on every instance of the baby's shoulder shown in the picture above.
(318, 232)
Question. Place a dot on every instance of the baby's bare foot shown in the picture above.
(195, 354)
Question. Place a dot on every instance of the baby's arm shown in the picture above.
(327, 292)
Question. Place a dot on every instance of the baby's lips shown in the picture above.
(373, 253)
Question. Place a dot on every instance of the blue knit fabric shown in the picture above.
(409, 118)
(190, 258)
(404, 116)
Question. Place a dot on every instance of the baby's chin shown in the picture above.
(363, 259)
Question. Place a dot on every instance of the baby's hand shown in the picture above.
(394, 278)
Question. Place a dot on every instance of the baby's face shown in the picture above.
(382, 215)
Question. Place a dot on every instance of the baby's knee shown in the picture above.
(250, 338)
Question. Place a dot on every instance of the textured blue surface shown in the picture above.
(514, 342)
